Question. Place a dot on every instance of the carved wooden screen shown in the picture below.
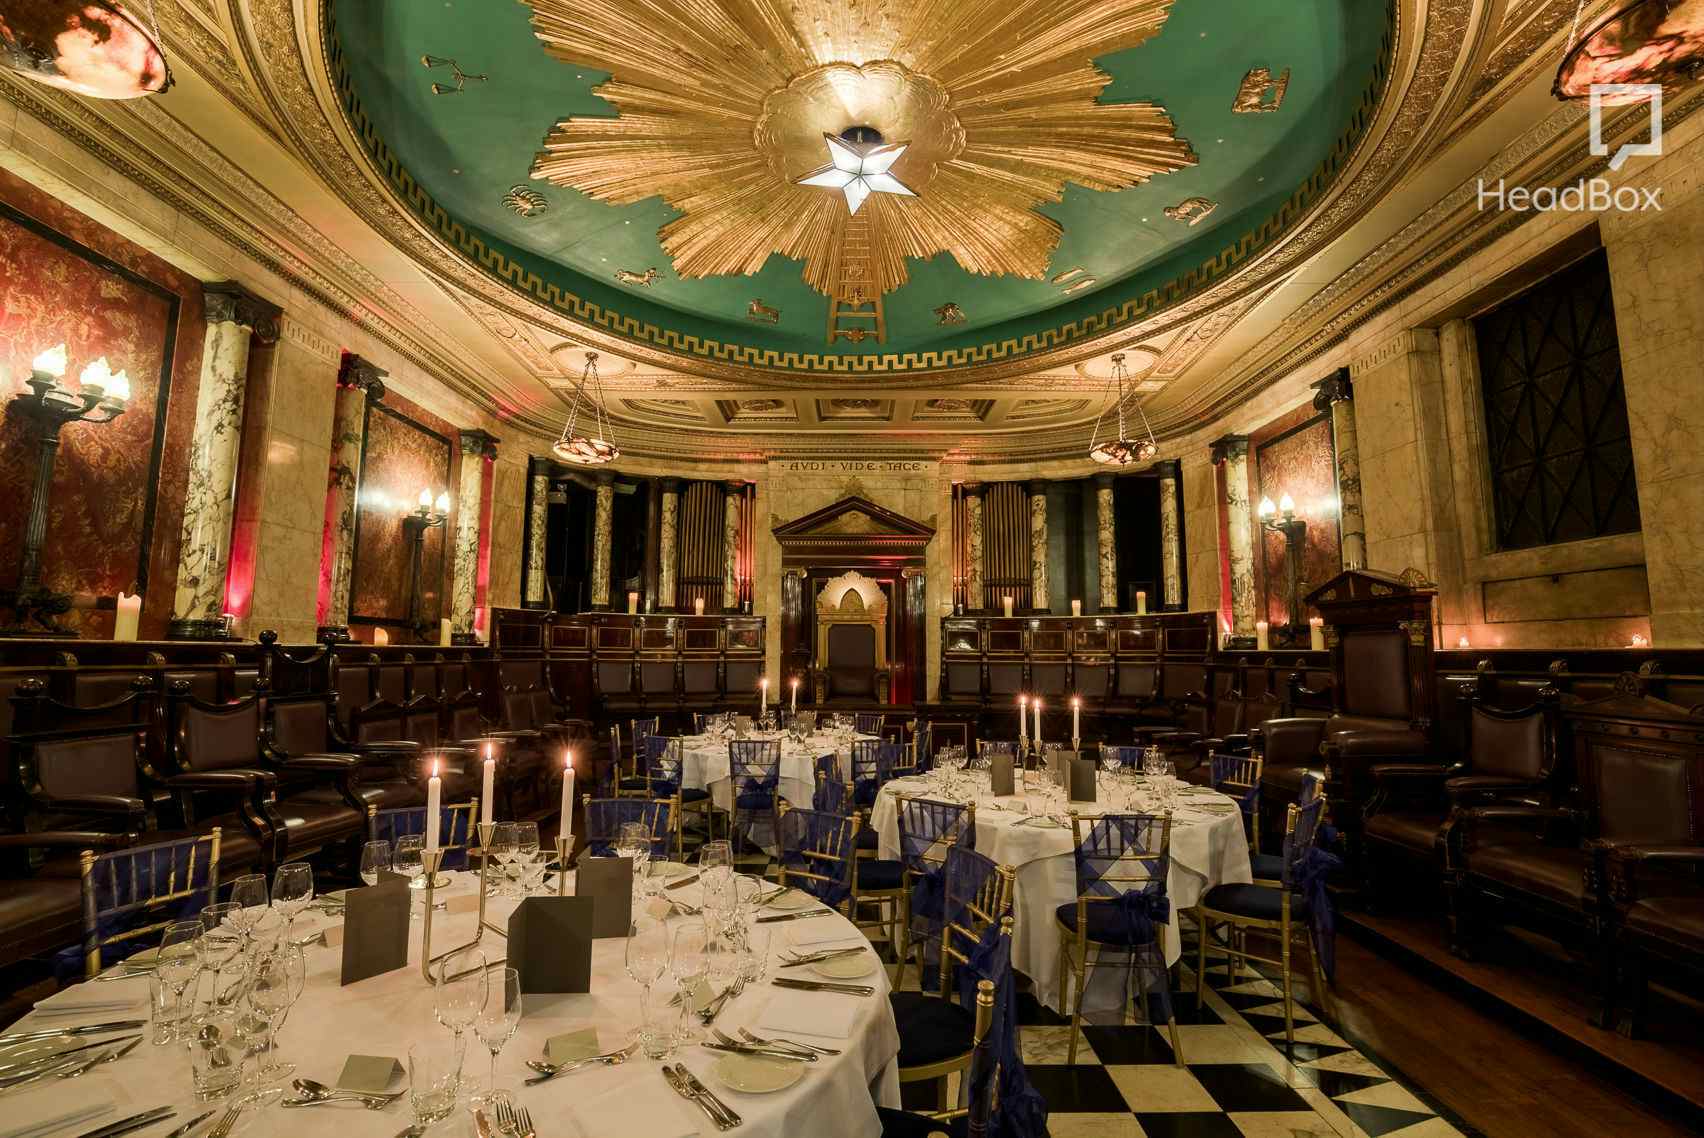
(1006, 545)
(1555, 412)
(703, 518)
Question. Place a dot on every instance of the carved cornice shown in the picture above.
(1409, 341)
(227, 302)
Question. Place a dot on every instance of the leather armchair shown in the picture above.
(1511, 859)
(1654, 896)
(41, 902)
(300, 735)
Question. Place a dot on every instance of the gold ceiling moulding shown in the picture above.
(722, 107)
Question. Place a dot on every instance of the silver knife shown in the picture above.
(771, 1052)
(134, 1122)
(36, 1062)
(705, 1092)
(86, 1029)
(819, 986)
(681, 882)
(793, 916)
(680, 1088)
(193, 1123)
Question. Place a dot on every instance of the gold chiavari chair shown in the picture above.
(815, 852)
(455, 828)
(927, 830)
(130, 895)
(629, 782)
(1238, 777)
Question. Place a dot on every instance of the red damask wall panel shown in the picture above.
(117, 505)
(1294, 455)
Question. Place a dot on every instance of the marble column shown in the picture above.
(973, 598)
(1231, 453)
(732, 494)
(666, 543)
(358, 383)
(234, 317)
(1171, 537)
(1338, 395)
(1106, 540)
(538, 512)
(603, 531)
(476, 447)
(1038, 545)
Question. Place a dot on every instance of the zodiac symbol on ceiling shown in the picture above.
(762, 313)
(1191, 210)
(629, 277)
(461, 78)
(949, 313)
(1259, 94)
(525, 201)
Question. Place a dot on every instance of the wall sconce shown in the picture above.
(48, 404)
(1281, 519)
(428, 515)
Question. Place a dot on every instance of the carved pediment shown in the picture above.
(854, 517)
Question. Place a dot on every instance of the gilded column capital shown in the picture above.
(478, 443)
(1036, 486)
(669, 485)
(1334, 388)
(227, 302)
(1229, 447)
(1167, 468)
(1104, 481)
(362, 374)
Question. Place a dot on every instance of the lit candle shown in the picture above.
(795, 703)
(128, 616)
(444, 633)
(434, 805)
(1006, 605)
(1141, 602)
(698, 606)
(1316, 633)
(488, 790)
(763, 695)
(632, 603)
(1463, 642)
(425, 498)
(1036, 734)
(380, 636)
(1076, 607)
(1262, 640)
(568, 794)
(1023, 720)
(1076, 724)
(1640, 640)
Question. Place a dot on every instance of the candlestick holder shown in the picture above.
(564, 847)
(431, 861)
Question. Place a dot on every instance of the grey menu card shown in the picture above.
(375, 928)
(550, 944)
(1000, 776)
(608, 881)
(1082, 780)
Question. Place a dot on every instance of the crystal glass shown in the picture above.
(505, 846)
(177, 966)
(292, 890)
(688, 962)
(406, 861)
(526, 849)
(216, 1052)
(714, 854)
(375, 859)
(219, 944)
(754, 962)
(647, 962)
(458, 999)
(434, 1080)
(274, 984)
(248, 893)
(495, 1025)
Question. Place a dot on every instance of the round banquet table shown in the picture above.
(706, 765)
(1208, 848)
(384, 1014)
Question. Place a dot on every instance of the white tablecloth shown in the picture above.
(705, 759)
(381, 1015)
(1207, 849)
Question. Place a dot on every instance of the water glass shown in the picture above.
(495, 1026)
(754, 961)
(216, 1052)
(407, 860)
(688, 962)
(375, 859)
(292, 890)
(248, 893)
(434, 1080)
(526, 851)
(458, 999)
(647, 962)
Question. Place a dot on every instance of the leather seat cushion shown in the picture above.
(1356, 736)
(1261, 902)
(1412, 830)
(875, 874)
(1672, 920)
(1107, 924)
(314, 824)
(931, 1030)
(1285, 782)
(38, 914)
(1553, 872)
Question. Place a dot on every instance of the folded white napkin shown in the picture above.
(35, 1113)
(827, 1014)
(646, 1107)
(824, 932)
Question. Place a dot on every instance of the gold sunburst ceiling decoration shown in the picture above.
(722, 106)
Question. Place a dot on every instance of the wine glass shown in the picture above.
(292, 890)
(248, 893)
(271, 992)
(460, 994)
(220, 943)
(504, 847)
(687, 964)
(375, 859)
(496, 1025)
(409, 850)
(647, 961)
(176, 967)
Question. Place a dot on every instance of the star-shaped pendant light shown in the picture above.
(859, 167)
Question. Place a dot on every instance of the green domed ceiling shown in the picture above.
(453, 158)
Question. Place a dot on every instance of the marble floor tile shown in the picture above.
(1391, 1094)
(1218, 1043)
(1282, 1124)
(1327, 1109)
(1161, 1087)
(1051, 1045)
(1348, 1063)
(1431, 1128)
(1276, 1011)
(1121, 1124)
(1247, 1086)
(1312, 1033)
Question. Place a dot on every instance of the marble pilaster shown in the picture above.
(1171, 538)
(476, 447)
(1106, 543)
(1231, 453)
(234, 318)
(733, 492)
(1038, 546)
(358, 382)
(973, 598)
(666, 543)
(1337, 395)
(538, 510)
(602, 533)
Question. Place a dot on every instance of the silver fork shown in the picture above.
(758, 1039)
(226, 1121)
